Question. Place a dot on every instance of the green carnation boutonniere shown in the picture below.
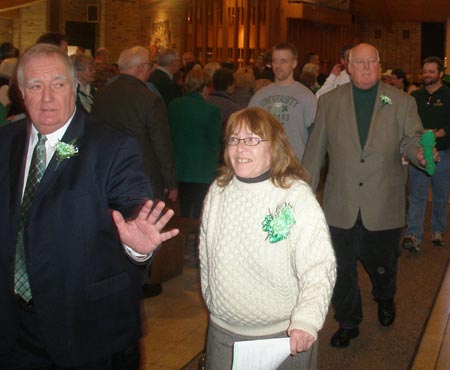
(385, 100)
(65, 151)
(279, 224)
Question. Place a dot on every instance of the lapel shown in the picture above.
(352, 126)
(18, 150)
(53, 171)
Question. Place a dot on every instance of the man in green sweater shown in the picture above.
(364, 126)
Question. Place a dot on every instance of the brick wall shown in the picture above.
(6, 30)
(165, 20)
(122, 25)
(23, 30)
(396, 51)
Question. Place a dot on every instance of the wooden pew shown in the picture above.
(169, 260)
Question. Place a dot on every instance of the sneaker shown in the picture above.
(411, 243)
(438, 239)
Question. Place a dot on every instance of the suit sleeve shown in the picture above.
(412, 131)
(317, 146)
(158, 131)
(127, 187)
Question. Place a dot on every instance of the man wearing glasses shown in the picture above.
(433, 102)
(364, 126)
(292, 103)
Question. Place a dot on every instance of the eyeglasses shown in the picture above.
(249, 141)
(429, 99)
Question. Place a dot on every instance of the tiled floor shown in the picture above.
(434, 350)
(174, 324)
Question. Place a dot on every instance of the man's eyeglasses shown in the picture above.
(249, 141)
(429, 99)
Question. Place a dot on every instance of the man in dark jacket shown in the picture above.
(162, 77)
(127, 105)
(70, 274)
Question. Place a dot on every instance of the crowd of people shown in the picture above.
(91, 150)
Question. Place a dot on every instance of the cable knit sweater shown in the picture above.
(254, 287)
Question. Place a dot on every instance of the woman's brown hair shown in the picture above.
(284, 165)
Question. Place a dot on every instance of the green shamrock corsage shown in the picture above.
(278, 225)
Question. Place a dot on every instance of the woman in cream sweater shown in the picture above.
(267, 264)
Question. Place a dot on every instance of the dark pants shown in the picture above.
(30, 352)
(191, 198)
(378, 252)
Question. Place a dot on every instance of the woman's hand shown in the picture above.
(300, 341)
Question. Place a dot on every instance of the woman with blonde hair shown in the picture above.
(244, 79)
(267, 265)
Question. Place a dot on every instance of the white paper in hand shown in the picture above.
(264, 354)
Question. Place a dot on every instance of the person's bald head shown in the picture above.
(364, 66)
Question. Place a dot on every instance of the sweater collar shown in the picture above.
(263, 177)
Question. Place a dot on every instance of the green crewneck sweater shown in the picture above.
(364, 101)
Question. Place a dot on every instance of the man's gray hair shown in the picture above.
(132, 57)
(44, 50)
(167, 56)
(80, 60)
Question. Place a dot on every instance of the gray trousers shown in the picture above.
(219, 351)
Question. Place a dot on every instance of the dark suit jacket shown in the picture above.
(168, 88)
(85, 288)
(128, 106)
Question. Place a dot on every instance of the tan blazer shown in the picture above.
(368, 179)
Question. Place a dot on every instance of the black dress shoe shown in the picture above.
(342, 337)
(386, 312)
(151, 290)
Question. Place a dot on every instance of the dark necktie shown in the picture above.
(37, 169)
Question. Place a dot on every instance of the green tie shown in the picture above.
(37, 169)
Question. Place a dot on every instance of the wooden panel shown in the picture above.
(10, 14)
(14, 4)
(401, 10)
(325, 40)
(169, 261)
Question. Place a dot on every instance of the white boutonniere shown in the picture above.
(65, 151)
(385, 100)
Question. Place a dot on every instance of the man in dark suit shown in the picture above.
(162, 77)
(70, 265)
(128, 106)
